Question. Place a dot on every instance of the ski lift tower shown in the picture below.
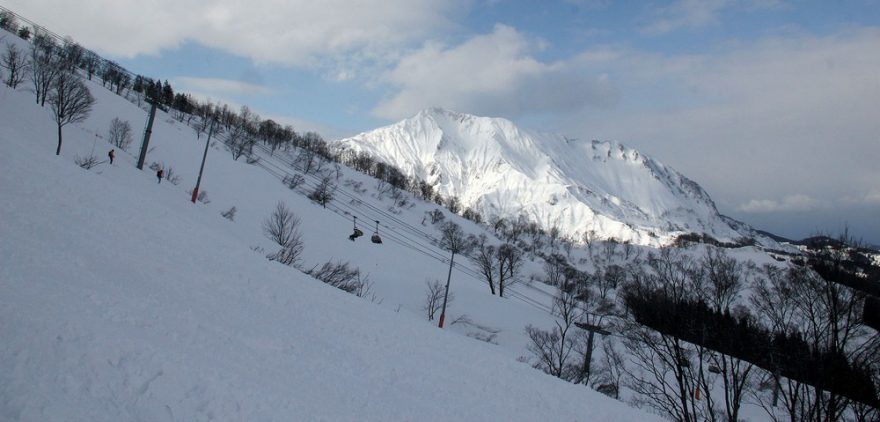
(147, 132)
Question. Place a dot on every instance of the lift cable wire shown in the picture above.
(270, 164)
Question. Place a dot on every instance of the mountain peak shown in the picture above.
(600, 189)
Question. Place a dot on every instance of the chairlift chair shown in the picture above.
(376, 238)
(357, 232)
(713, 367)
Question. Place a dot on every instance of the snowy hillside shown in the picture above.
(601, 189)
(121, 300)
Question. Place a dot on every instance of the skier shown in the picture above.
(112, 155)
(159, 174)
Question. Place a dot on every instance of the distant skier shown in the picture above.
(112, 155)
(159, 174)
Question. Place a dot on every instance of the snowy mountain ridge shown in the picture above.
(596, 190)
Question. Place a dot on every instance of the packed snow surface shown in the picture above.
(602, 188)
(121, 300)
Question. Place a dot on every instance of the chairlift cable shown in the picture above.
(429, 250)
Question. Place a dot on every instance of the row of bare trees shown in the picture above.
(702, 334)
(698, 352)
(52, 71)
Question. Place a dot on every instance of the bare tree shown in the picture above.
(293, 181)
(436, 215)
(499, 265)
(554, 269)
(239, 141)
(201, 126)
(434, 296)
(453, 239)
(44, 66)
(282, 227)
(310, 146)
(16, 64)
(70, 55)
(610, 371)
(661, 374)
(484, 257)
(324, 191)
(724, 275)
(120, 133)
(240, 138)
(343, 277)
(306, 159)
(721, 278)
(70, 101)
(510, 261)
(555, 349)
(86, 162)
(90, 62)
(8, 21)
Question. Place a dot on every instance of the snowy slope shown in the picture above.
(579, 186)
(120, 300)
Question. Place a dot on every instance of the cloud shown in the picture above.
(693, 14)
(871, 197)
(590, 4)
(750, 120)
(493, 74)
(220, 86)
(304, 33)
(686, 14)
(790, 203)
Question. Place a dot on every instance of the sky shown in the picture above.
(773, 106)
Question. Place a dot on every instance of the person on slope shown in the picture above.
(159, 174)
(112, 155)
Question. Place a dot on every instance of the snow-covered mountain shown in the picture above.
(602, 189)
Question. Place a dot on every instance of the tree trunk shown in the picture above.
(58, 151)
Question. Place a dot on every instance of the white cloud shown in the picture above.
(692, 14)
(333, 33)
(493, 74)
(759, 119)
(219, 86)
(686, 14)
(790, 203)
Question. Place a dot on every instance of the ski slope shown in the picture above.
(121, 300)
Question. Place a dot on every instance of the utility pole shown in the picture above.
(592, 329)
(446, 294)
(147, 132)
(195, 193)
